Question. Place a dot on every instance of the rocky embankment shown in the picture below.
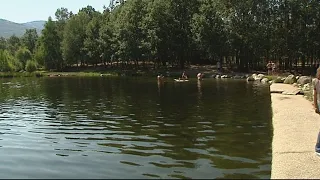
(303, 83)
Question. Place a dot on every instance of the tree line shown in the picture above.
(242, 34)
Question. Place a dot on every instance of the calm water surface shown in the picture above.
(134, 128)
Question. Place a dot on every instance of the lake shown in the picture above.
(117, 127)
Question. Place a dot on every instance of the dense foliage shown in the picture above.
(242, 34)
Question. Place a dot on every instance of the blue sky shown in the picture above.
(21, 11)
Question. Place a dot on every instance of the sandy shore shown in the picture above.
(296, 127)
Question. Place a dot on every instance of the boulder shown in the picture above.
(290, 79)
(306, 87)
(278, 80)
(304, 80)
(250, 78)
(258, 77)
(261, 76)
(265, 80)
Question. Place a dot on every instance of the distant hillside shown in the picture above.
(35, 24)
(8, 28)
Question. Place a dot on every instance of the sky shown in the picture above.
(21, 11)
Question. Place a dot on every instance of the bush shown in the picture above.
(6, 61)
(22, 55)
(17, 65)
(31, 66)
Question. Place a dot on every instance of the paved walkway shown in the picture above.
(284, 88)
(296, 127)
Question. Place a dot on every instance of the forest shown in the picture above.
(242, 34)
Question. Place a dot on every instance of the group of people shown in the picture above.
(184, 76)
(271, 67)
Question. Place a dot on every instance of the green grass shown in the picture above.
(43, 73)
(272, 77)
(20, 74)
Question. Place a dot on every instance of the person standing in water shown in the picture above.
(199, 76)
(160, 77)
(219, 66)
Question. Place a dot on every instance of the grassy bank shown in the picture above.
(20, 74)
(192, 71)
(57, 74)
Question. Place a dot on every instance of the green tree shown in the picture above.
(51, 46)
(73, 41)
(106, 37)
(3, 43)
(129, 31)
(13, 43)
(29, 39)
(208, 30)
(91, 42)
(40, 53)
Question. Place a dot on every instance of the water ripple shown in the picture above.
(114, 129)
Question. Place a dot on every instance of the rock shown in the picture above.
(264, 80)
(314, 81)
(295, 85)
(278, 80)
(250, 78)
(291, 93)
(306, 87)
(270, 82)
(304, 80)
(290, 79)
(217, 76)
(257, 78)
(237, 77)
(261, 76)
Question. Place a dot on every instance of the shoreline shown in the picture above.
(295, 131)
(133, 73)
(209, 71)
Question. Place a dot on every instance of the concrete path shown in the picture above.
(296, 127)
(284, 88)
